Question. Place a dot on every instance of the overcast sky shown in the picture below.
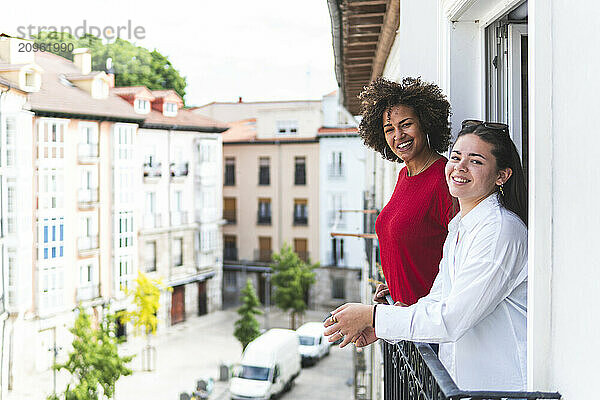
(256, 49)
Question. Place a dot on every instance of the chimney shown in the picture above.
(240, 99)
(110, 72)
(82, 58)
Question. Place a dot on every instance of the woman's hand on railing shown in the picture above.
(366, 337)
(347, 322)
(380, 292)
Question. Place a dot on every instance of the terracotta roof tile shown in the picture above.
(55, 96)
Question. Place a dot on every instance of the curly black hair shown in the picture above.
(425, 99)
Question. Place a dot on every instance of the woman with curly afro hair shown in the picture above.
(409, 122)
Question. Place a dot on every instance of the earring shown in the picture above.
(385, 152)
(502, 189)
(428, 144)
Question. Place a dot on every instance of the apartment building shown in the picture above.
(178, 170)
(275, 192)
(69, 202)
(15, 211)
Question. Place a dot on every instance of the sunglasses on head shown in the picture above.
(497, 126)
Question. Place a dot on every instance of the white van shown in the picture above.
(313, 343)
(269, 366)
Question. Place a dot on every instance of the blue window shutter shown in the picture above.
(45, 234)
(54, 252)
(61, 231)
(46, 253)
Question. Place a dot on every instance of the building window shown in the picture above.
(124, 138)
(287, 127)
(125, 271)
(51, 139)
(208, 240)
(230, 248)
(51, 190)
(300, 212)
(125, 229)
(177, 252)
(11, 203)
(170, 109)
(229, 171)
(338, 288)
(88, 140)
(11, 132)
(142, 106)
(336, 165)
(264, 249)
(337, 251)
(50, 256)
(229, 210)
(263, 171)
(264, 211)
(230, 280)
(11, 256)
(300, 171)
(30, 79)
(150, 256)
(301, 249)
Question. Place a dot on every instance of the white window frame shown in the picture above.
(169, 109)
(142, 106)
(286, 127)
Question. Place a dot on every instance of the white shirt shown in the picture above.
(477, 307)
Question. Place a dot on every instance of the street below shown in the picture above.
(194, 350)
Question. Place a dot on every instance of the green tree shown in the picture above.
(292, 278)
(247, 328)
(133, 65)
(94, 360)
(146, 298)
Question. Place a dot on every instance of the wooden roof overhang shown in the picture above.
(363, 33)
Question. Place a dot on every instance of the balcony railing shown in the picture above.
(152, 170)
(300, 220)
(303, 255)
(262, 255)
(88, 292)
(335, 171)
(87, 196)
(413, 371)
(152, 221)
(179, 218)
(86, 243)
(230, 254)
(179, 169)
(263, 219)
(230, 216)
(87, 151)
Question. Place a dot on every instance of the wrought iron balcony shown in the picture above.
(230, 216)
(263, 219)
(87, 151)
(152, 170)
(88, 292)
(300, 220)
(86, 243)
(179, 170)
(303, 255)
(230, 253)
(179, 218)
(87, 197)
(336, 171)
(413, 371)
(262, 255)
(152, 221)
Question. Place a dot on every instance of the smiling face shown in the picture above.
(471, 171)
(403, 133)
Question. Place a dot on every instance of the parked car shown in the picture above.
(313, 343)
(269, 366)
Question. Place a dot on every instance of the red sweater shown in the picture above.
(412, 228)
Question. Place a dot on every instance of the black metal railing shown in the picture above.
(263, 219)
(413, 371)
(230, 253)
(300, 220)
(230, 216)
(263, 255)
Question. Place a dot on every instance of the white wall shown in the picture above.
(564, 192)
(351, 187)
